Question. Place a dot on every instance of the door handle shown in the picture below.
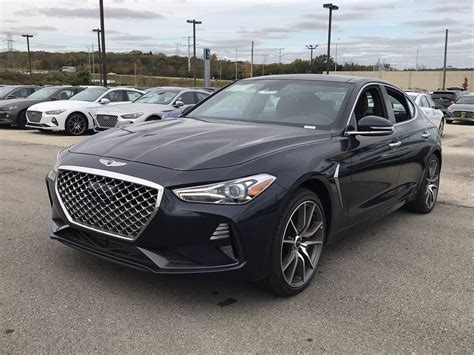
(425, 135)
(395, 144)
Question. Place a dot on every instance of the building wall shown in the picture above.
(427, 80)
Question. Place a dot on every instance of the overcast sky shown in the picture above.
(366, 30)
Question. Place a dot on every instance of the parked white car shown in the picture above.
(429, 108)
(75, 115)
(151, 106)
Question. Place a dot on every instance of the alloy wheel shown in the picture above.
(76, 125)
(302, 243)
(432, 178)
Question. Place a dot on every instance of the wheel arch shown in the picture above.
(320, 187)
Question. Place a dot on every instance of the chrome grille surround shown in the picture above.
(106, 121)
(34, 116)
(110, 203)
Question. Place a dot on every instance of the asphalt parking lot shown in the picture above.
(402, 285)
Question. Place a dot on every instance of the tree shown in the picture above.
(465, 85)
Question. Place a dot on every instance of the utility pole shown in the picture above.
(311, 47)
(331, 7)
(93, 64)
(279, 56)
(102, 34)
(236, 68)
(189, 53)
(335, 59)
(99, 61)
(417, 52)
(264, 62)
(11, 54)
(194, 22)
(251, 62)
(135, 71)
(28, 36)
(445, 58)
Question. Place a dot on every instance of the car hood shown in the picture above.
(134, 107)
(461, 107)
(190, 144)
(19, 102)
(62, 104)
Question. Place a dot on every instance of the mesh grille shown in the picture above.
(118, 207)
(106, 121)
(34, 116)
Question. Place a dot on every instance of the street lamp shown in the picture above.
(100, 54)
(331, 7)
(28, 36)
(417, 53)
(312, 47)
(194, 22)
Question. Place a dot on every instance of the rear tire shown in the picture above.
(76, 124)
(449, 121)
(428, 191)
(297, 245)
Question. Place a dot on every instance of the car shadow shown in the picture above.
(220, 289)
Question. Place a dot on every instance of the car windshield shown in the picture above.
(43, 93)
(163, 97)
(443, 95)
(5, 91)
(286, 102)
(466, 100)
(90, 94)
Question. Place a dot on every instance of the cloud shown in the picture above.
(34, 30)
(431, 22)
(109, 12)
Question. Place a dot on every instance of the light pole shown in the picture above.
(417, 52)
(331, 7)
(194, 22)
(28, 36)
(311, 47)
(335, 58)
(445, 58)
(236, 68)
(99, 60)
(102, 37)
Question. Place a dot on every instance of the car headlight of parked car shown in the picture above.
(232, 192)
(54, 172)
(132, 116)
(55, 112)
(8, 108)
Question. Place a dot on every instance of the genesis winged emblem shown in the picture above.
(108, 162)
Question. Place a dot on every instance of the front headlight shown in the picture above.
(55, 112)
(232, 192)
(132, 116)
(9, 108)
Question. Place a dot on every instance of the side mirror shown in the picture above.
(372, 126)
(104, 101)
(179, 103)
(9, 97)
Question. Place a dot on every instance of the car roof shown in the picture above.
(323, 77)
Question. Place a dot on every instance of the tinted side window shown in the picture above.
(402, 110)
(64, 94)
(430, 102)
(133, 95)
(424, 102)
(201, 96)
(115, 96)
(24, 92)
(187, 98)
(369, 103)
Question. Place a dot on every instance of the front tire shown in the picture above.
(441, 127)
(297, 246)
(21, 120)
(428, 191)
(76, 124)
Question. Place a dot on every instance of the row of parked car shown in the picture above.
(77, 109)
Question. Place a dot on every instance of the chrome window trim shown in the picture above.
(378, 84)
(113, 175)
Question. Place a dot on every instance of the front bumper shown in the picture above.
(7, 118)
(48, 122)
(180, 238)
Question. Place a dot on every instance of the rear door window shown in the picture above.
(401, 107)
